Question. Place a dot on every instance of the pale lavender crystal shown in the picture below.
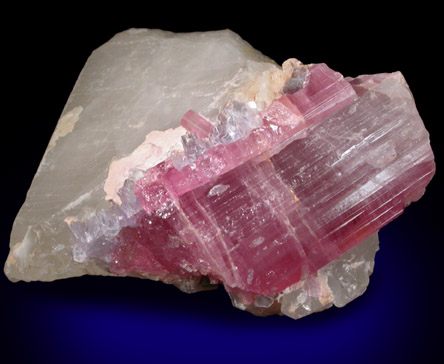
(194, 146)
(236, 122)
(298, 80)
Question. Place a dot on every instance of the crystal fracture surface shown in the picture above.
(199, 161)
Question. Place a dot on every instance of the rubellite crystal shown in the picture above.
(213, 165)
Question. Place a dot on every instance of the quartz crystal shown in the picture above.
(195, 160)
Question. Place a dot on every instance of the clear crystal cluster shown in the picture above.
(205, 163)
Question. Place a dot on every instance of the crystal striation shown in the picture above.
(220, 167)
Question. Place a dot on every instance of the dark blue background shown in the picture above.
(125, 320)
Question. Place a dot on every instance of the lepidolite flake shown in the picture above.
(223, 168)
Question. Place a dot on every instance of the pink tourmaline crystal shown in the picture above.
(263, 199)
(195, 123)
(193, 159)
(325, 93)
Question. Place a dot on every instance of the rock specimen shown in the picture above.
(195, 160)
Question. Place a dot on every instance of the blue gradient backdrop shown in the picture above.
(125, 320)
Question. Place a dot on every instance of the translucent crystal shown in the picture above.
(271, 181)
(236, 121)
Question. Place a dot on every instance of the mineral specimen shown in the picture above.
(195, 160)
